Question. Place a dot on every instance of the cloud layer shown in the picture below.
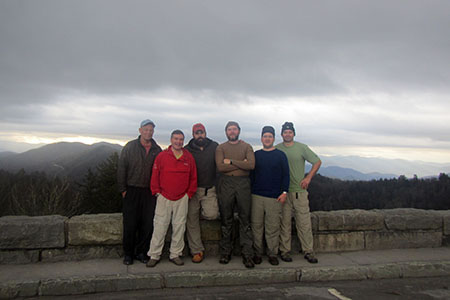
(348, 73)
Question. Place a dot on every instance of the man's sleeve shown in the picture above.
(122, 170)
(154, 182)
(249, 164)
(220, 156)
(285, 180)
(192, 178)
(310, 156)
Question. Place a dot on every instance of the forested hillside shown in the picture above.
(39, 194)
(335, 194)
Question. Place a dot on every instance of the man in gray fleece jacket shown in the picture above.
(133, 176)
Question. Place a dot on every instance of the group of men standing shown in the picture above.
(178, 186)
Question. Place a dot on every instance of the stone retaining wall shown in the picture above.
(55, 238)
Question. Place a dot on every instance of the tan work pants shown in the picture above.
(167, 212)
(266, 214)
(205, 202)
(299, 203)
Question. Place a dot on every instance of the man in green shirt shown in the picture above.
(297, 153)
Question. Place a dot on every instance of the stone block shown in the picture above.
(19, 256)
(446, 240)
(314, 274)
(425, 269)
(103, 284)
(100, 229)
(355, 219)
(314, 222)
(210, 230)
(384, 271)
(211, 248)
(81, 253)
(411, 219)
(23, 232)
(403, 239)
(229, 277)
(332, 242)
(13, 289)
(445, 221)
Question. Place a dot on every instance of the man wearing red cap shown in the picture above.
(205, 199)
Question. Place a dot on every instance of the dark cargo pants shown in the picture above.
(235, 191)
(138, 213)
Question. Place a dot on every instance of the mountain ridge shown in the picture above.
(73, 159)
(63, 158)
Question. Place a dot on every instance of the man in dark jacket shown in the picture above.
(134, 174)
(205, 199)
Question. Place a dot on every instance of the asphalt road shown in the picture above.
(409, 288)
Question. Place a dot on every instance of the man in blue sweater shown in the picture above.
(270, 184)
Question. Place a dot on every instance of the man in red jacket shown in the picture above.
(174, 181)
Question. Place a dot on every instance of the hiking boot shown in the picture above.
(127, 260)
(225, 258)
(197, 258)
(286, 257)
(248, 262)
(143, 258)
(152, 263)
(273, 260)
(311, 259)
(177, 260)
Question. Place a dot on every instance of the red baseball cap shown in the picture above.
(198, 126)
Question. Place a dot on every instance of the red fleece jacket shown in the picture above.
(173, 178)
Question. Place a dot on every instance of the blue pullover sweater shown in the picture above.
(271, 174)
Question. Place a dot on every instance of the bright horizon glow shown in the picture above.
(405, 153)
(88, 140)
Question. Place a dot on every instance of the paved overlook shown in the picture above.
(55, 255)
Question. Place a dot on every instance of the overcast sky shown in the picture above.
(367, 78)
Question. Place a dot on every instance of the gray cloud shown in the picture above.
(256, 47)
(95, 67)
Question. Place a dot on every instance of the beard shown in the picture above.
(233, 139)
(200, 142)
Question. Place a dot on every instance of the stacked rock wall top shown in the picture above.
(26, 239)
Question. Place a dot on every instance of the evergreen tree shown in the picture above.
(99, 190)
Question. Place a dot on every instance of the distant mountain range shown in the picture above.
(6, 154)
(388, 167)
(350, 174)
(66, 159)
(73, 160)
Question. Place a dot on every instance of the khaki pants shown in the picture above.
(266, 214)
(167, 212)
(205, 202)
(300, 204)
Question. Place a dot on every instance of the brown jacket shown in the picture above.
(135, 166)
(241, 155)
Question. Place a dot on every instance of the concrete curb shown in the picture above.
(124, 282)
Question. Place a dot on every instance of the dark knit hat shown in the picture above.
(232, 123)
(269, 129)
(287, 126)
